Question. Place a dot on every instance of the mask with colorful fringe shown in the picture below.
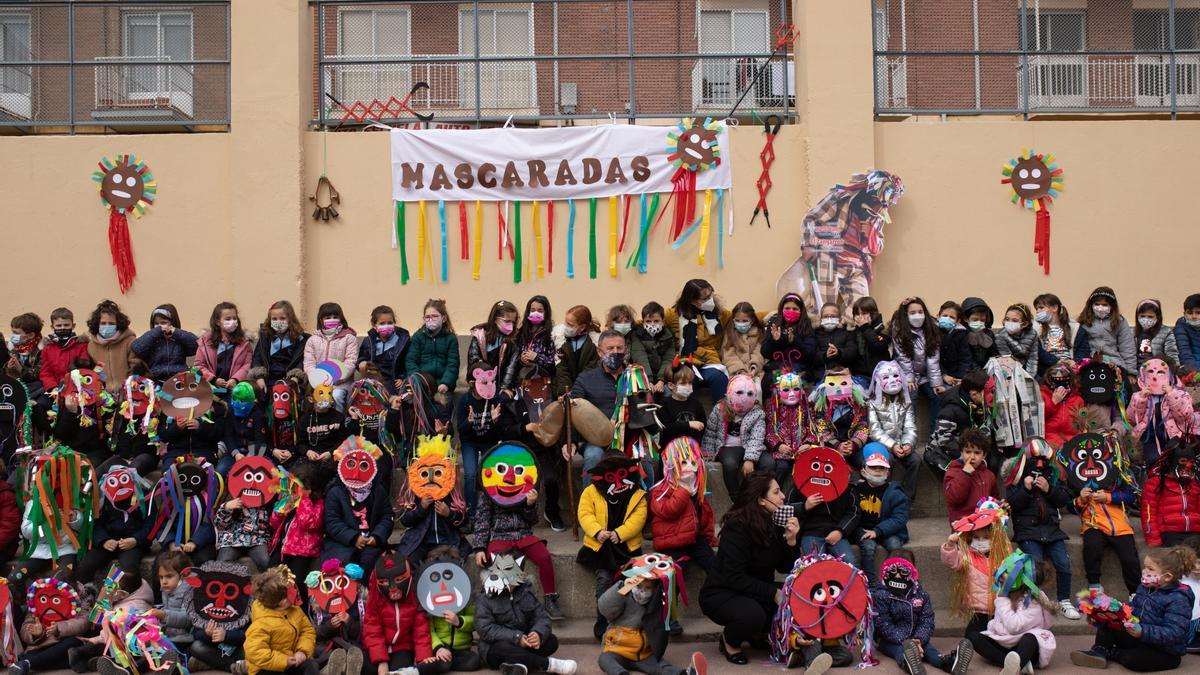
(61, 487)
(669, 575)
(825, 598)
(635, 426)
(183, 499)
(130, 634)
(1016, 572)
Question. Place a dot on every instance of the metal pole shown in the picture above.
(557, 85)
(1024, 59)
(71, 67)
(788, 82)
(975, 32)
(478, 107)
(874, 55)
(320, 66)
(1171, 81)
(229, 69)
(632, 79)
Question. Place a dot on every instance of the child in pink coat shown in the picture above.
(974, 552)
(302, 530)
(1019, 636)
(334, 340)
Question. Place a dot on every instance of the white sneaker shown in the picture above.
(1028, 669)
(562, 666)
(1068, 611)
(1012, 664)
(821, 664)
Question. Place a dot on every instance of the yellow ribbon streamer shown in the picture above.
(422, 244)
(612, 236)
(478, 238)
(537, 241)
(708, 200)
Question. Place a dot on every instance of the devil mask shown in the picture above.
(253, 480)
(51, 601)
(185, 396)
(828, 598)
(394, 576)
(508, 472)
(335, 588)
(1155, 377)
(1097, 382)
(485, 383)
(615, 477)
(1184, 459)
(1089, 463)
(790, 389)
(899, 577)
(433, 473)
(443, 586)
(741, 394)
(356, 458)
(504, 574)
(219, 592)
(85, 384)
(821, 471)
(1059, 377)
(283, 400)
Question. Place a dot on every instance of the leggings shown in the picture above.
(993, 652)
(535, 550)
(1094, 542)
(53, 657)
(257, 554)
(1135, 654)
(510, 652)
(743, 618)
(98, 560)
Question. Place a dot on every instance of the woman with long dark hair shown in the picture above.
(741, 594)
(697, 320)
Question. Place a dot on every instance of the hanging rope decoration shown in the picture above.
(125, 186)
(1036, 181)
(325, 208)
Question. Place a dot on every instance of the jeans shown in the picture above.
(214, 656)
(592, 454)
(935, 402)
(716, 381)
(813, 544)
(912, 470)
(866, 554)
(1057, 551)
(257, 554)
(896, 651)
(470, 461)
(731, 458)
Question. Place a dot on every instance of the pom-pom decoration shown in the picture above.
(126, 185)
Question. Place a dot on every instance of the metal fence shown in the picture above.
(999, 56)
(83, 65)
(486, 62)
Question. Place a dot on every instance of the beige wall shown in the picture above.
(232, 220)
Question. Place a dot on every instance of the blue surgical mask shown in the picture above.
(107, 331)
(946, 323)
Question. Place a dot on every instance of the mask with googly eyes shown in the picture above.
(821, 471)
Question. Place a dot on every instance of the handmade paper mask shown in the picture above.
(838, 385)
(828, 598)
(368, 399)
(119, 485)
(682, 465)
(13, 398)
(987, 512)
(443, 586)
(125, 185)
(241, 399)
(335, 591)
(888, 378)
(1097, 382)
(790, 388)
(504, 574)
(220, 592)
(821, 471)
(741, 394)
(253, 480)
(433, 473)
(508, 472)
(139, 395)
(86, 384)
(485, 383)
(899, 577)
(1059, 376)
(193, 478)
(1031, 178)
(322, 397)
(356, 458)
(185, 396)
(615, 477)
(394, 576)
(283, 400)
(1185, 465)
(1155, 377)
(695, 146)
(51, 601)
(1089, 463)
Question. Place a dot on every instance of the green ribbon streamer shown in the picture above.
(400, 237)
(592, 239)
(517, 243)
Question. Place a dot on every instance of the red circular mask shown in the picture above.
(253, 480)
(357, 469)
(821, 471)
(335, 593)
(828, 599)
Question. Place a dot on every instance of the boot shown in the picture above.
(913, 661)
(551, 603)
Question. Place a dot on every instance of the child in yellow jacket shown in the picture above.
(281, 639)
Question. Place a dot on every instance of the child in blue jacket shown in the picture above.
(1163, 608)
(882, 509)
(904, 620)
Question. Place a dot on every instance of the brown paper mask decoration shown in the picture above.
(325, 204)
(125, 185)
(1035, 180)
(185, 396)
(434, 470)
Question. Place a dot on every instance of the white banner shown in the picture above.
(562, 163)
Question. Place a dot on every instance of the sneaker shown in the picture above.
(913, 660)
(354, 661)
(106, 666)
(1028, 669)
(675, 629)
(562, 666)
(513, 669)
(957, 661)
(794, 659)
(19, 668)
(551, 603)
(820, 665)
(239, 668)
(1067, 609)
(699, 664)
(555, 522)
(1092, 658)
(1012, 664)
(336, 665)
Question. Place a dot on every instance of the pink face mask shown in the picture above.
(535, 318)
(741, 393)
(505, 326)
(485, 383)
(1155, 377)
(790, 389)
(791, 315)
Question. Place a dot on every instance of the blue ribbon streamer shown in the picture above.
(571, 242)
(720, 229)
(687, 233)
(442, 216)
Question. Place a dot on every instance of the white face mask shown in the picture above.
(1147, 322)
(917, 320)
(1043, 317)
(982, 546)
(830, 323)
(1101, 311)
(622, 328)
(708, 305)
(279, 325)
(570, 331)
(683, 390)
(1013, 327)
(652, 329)
(433, 325)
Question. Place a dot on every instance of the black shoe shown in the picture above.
(957, 661)
(555, 522)
(842, 658)
(1092, 658)
(77, 660)
(738, 659)
(513, 669)
(912, 657)
(19, 668)
(107, 666)
(599, 628)
(794, 659)
(675, 629)
(551, 603)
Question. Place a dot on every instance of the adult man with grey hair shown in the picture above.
(598, 386)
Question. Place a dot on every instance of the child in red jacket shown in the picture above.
(682, 520)
(1171, 498)
(395, 630)
(968, 479)
(1062, 401)
(61, 349)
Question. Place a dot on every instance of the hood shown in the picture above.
(972, 303)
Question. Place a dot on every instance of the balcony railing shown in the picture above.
(505, 86)
(151, 88)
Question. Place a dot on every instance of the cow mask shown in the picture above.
(219, 592)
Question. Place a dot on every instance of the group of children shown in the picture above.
(288, 449)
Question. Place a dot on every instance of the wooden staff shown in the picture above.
(567, 403)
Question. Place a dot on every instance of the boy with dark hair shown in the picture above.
(25, 352)
(1187, 333)
(61, 349)
(962, 408)
(968, 478)
(955, 355)
(652, 347)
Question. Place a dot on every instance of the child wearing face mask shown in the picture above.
(111, 342)
(981, 341)
(25, 354)
(620, 319)
(835, 346)
(1163, 609)
(534, 364)
(789, 344)
(575, 340)
(636, 641)
(494, 341)
(893, 420)
(736, 431)
(1192, 581)
(955, 355)
(653, 348)
(1019, 636)
(870, 337)
(433, 349)
(1187, 333)
(61, 348)
(682, 520)
(1103, 330)
(322, 429)
(482, 418)
(223, 352)
(741, 348)
(1056, 329)
(1152, 339)
(904, 619)
(385, 346)
(681, 412)
(916, 344)
(882, 509)
(336, 341)
(279, 350)
(974, 551)
(1018, 339)
(166, 347)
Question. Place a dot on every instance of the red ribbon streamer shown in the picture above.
(625, 223)
(550, 236)
(685, 207)
(464, 235)
(121, 249)
(1041, 240)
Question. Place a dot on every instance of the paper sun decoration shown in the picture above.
(125, 185)
(1036, 181)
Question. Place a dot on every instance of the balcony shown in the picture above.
(718, 82)
(148, 90)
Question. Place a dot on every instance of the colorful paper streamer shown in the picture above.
(537, 242)
(592, 239)
(478, 239)
(571, 241)
(442, 219)
(517, 243)
(402, 239)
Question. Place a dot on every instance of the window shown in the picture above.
(376, 33)
(502, 84)
(1151, 30)
(724, 31)
(1057, 80)
(163, 37)
(16, 82)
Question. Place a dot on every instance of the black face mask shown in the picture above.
(64, 334)
(898, 583)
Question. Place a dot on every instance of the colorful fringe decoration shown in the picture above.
(550, 236)
(464, 234)
(402, 238)
(571, 241)
(442, 220)
(612, 236)
(478, 239)
(661, 568)
(1045, 181)
(625, 222)
(1016, 572)
(632, 385)
(56, 485)
(592, 238)
(784, 627)
(129, 634)
(517, 244)
(537, 241)
(128, 172)
(178, 514)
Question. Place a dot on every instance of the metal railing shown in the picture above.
(72, 65)
(993, 58)
(487, 61)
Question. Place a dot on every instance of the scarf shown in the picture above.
(689, 329)
(359, 496)
(29, 346)
(981, 338)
